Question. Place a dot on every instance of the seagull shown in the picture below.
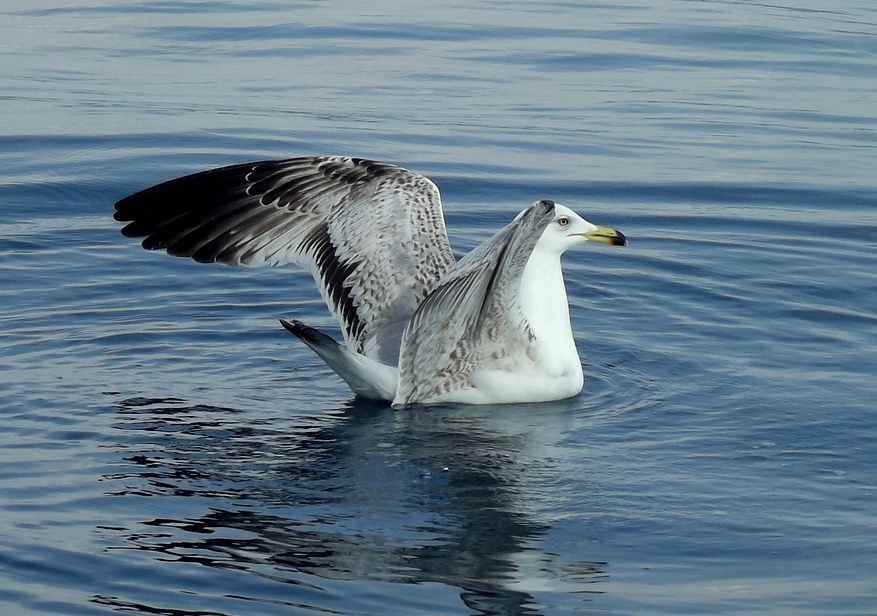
(419, 326)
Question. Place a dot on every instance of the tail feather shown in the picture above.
(366, 377)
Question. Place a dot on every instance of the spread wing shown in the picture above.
(372, 234)
(474, 317)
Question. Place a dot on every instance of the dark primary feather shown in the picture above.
(343, 218)
(334, 273)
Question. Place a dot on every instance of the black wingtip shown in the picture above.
(546, 204)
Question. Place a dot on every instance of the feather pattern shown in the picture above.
(450, 336)
(418, 326)
(338, 216)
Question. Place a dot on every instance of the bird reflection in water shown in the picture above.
(359, 493)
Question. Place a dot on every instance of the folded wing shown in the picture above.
(473, 319)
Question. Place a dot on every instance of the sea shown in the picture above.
(167, 448)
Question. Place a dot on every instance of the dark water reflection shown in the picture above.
(361, 492)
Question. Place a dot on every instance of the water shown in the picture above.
(168, 448)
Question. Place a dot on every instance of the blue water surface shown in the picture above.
(167, 448)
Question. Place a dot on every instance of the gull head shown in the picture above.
(568, 229)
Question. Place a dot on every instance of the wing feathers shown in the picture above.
(334, 273)
(474, 306)
(372, 233)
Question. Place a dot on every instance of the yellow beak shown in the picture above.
(607, 236)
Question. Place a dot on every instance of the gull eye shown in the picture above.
(563, 221)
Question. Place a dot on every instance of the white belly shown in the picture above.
(556, 378)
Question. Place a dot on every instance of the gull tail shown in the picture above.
(365, 376)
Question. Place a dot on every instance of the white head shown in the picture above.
(568, 229)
